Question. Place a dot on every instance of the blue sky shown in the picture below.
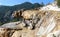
(14, 2)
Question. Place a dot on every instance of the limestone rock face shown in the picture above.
(11, 25)
(17, 34)
(28, 15)
(35, 23)
(14, 25)
(17, 13)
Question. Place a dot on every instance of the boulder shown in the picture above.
(14, 25)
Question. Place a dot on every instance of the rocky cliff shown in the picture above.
(34, 23)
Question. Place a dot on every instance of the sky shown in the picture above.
(15, 2)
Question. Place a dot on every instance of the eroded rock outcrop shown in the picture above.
(34, 23)
(44, 24)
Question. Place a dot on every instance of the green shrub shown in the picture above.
(14, 20)
(58, 3)
(1, 23)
